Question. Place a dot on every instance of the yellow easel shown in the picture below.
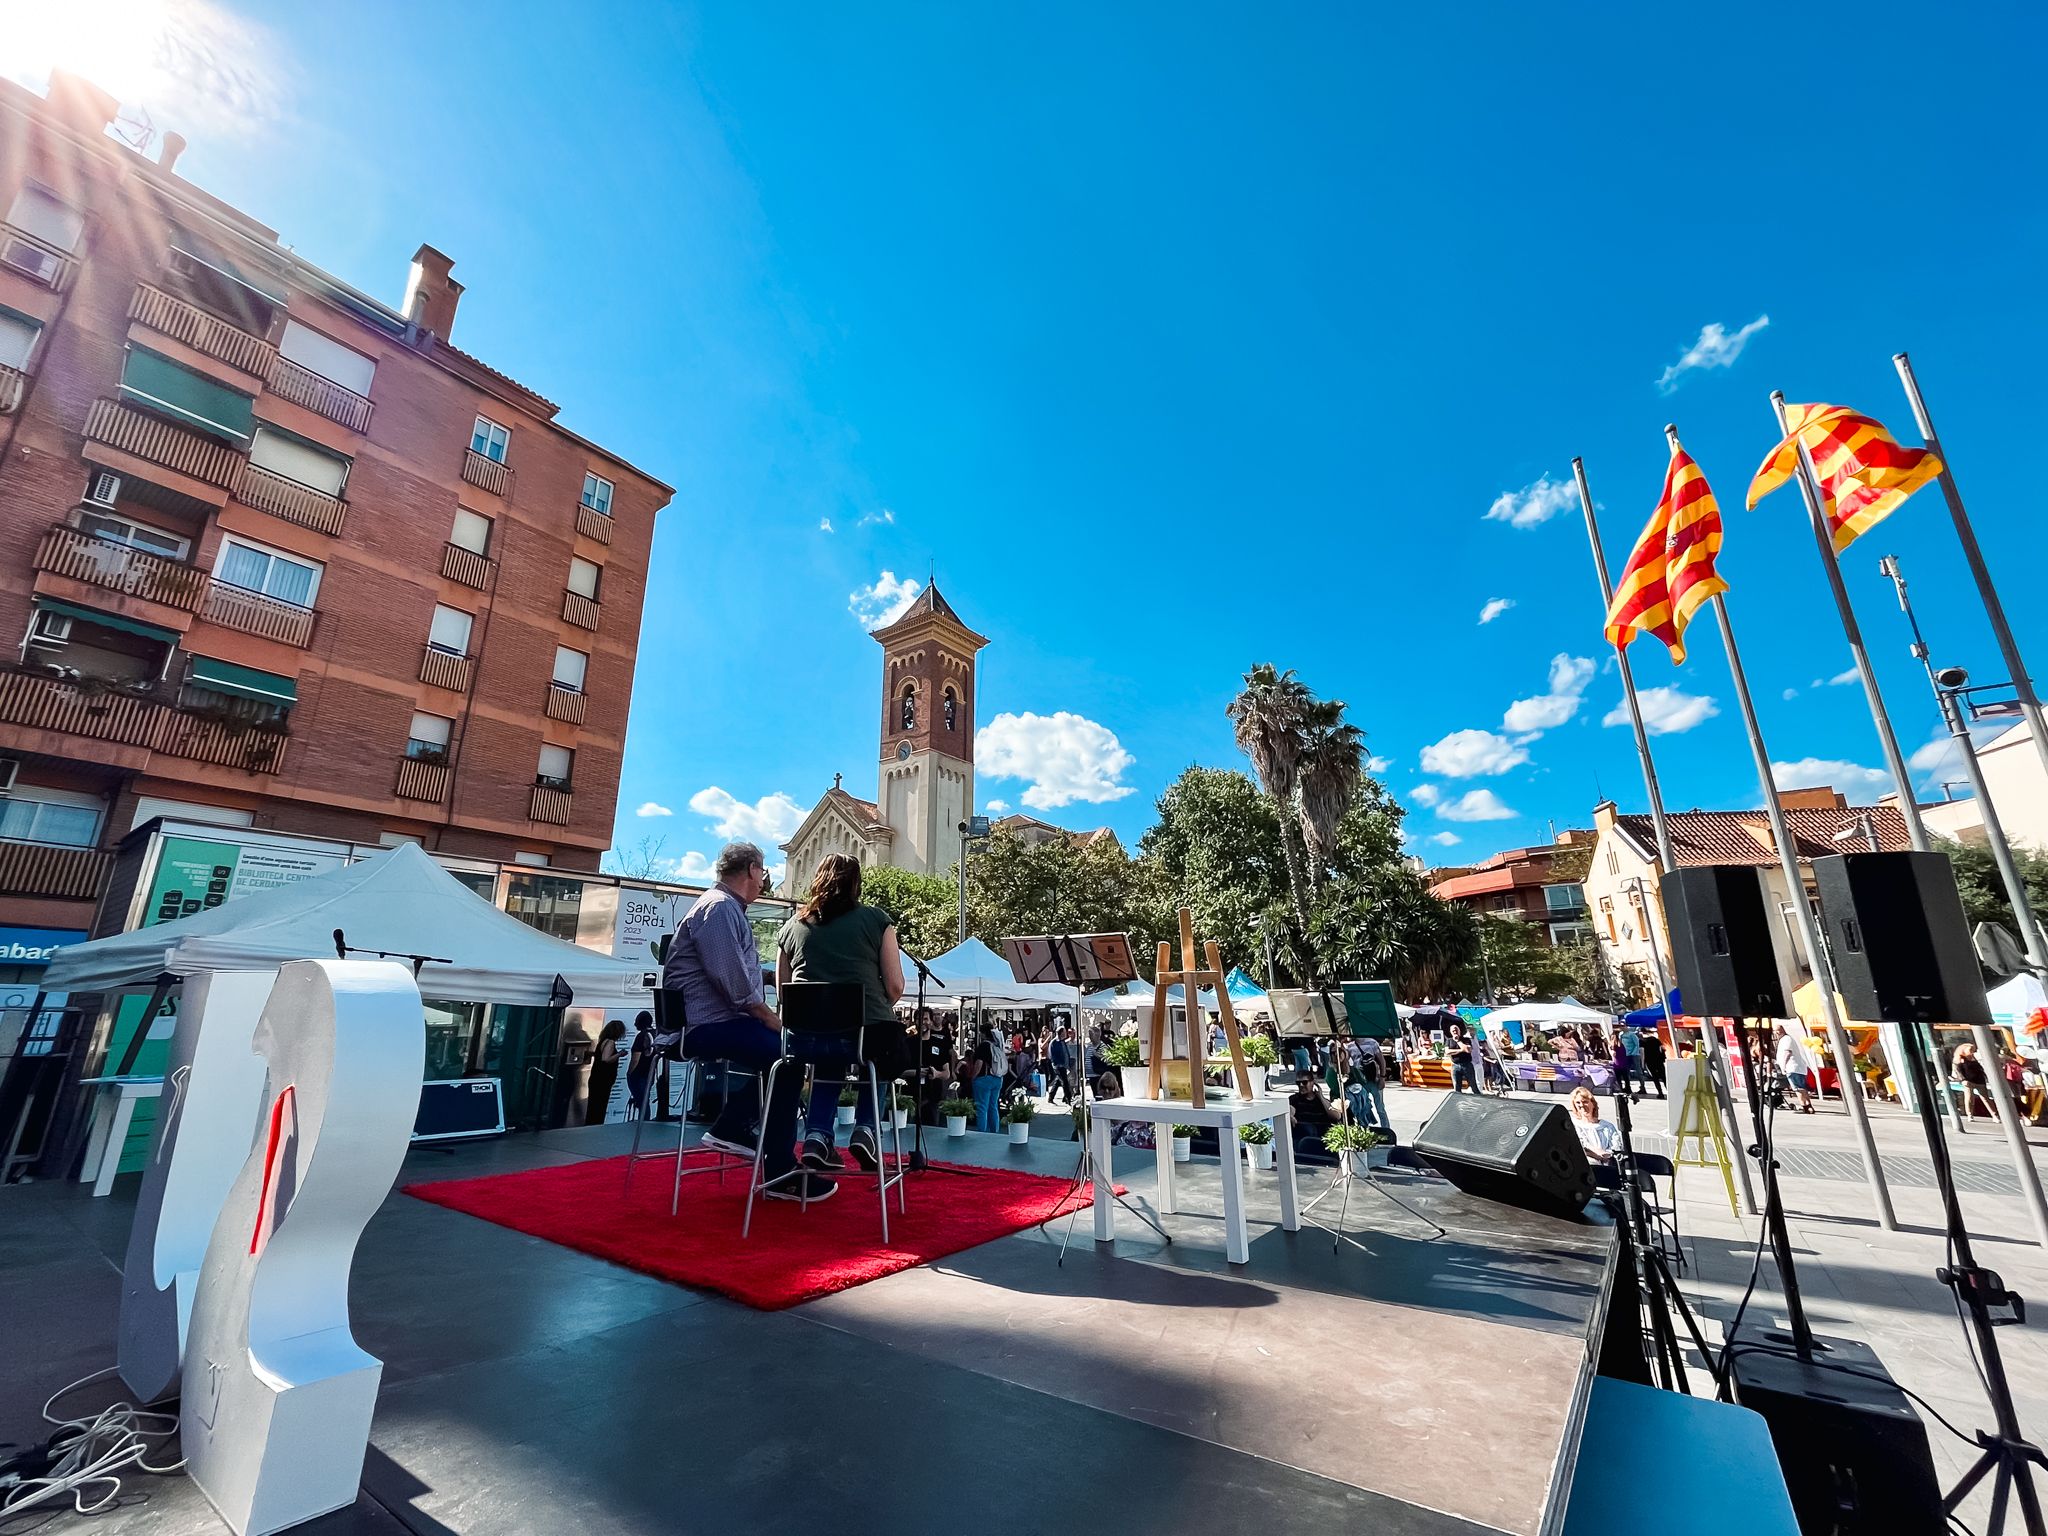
(1699, 1121)
(1192, 976)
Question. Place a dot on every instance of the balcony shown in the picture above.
(68, 551)
(13, 385)
(466, 566)
(580, 610)
(488, 473)
(324, 397)
(255, 613)
(593, 524)
(34, 259)
(550, 805)
(419, 779)
(443, 669)
(126, 717)
(156, 440)
(282, 496)
(53, 869)
(202, 332)
(565, 704)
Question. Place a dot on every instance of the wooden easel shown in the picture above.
(1699, 1121)
(1192, 977)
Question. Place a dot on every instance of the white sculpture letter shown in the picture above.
(277, 1395)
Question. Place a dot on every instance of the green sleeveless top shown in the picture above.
(848, 948)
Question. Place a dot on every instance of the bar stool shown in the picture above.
(669, 1021)
(832, 1008)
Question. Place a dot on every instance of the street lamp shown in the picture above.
(975, 829)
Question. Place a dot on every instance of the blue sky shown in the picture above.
(1177, 338)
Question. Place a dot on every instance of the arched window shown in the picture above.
(909, 712)
(952, 708)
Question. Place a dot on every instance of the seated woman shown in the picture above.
(834, 937)
(1600, 1138)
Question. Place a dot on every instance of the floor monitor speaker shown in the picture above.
(1900, 941)
(1514, 1150)
(1724, 942)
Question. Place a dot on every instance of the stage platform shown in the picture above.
(1422, 1387)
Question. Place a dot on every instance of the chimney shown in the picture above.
(79, 104)
(167, 157)
(1821, 798)
(430, 293)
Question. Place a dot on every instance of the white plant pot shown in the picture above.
(956, 1125)
(1261, 1082)
(846, 1113)
(900, 1118)
(1261, 1154)
(1020, 1132)
(1183, 1148)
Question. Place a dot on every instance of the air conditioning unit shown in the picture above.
(32, 260)
(105, 487)
(50, 628)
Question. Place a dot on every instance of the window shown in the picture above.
(490, 439)
(330, 359)
(907, 715)
(1564, 898)
(50, 816)
(40, 212)
(472, 532)
(116, 529)
(556, 764)
(597, 493)
(17, 339)
(269, 571)
(952, 710)
(531, 860)
(175, 391)
(1570, 933)
(1613, 862)
(583, 576)
(450, 630)
(429, 739)
(296, 459)
(570, 668)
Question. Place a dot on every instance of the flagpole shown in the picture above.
(1809, 933)
(1710, 1036)
(2015, 668)
(1887, 739)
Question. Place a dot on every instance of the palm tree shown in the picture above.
(1332, 757)
(1271, 715)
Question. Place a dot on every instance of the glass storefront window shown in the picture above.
(451, 1034)
(550, 903)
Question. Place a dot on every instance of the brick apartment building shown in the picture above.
(1543, 886)
(279, 556)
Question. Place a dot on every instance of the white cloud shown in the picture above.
(1938, 752)
(1715, 349)
(1444, 839)
(1533, 505)
(1845, 677)
(997, 807)
(1666, 711)
(824, 525)
(653, 808)
(1378, 764)
(1494, 608)
(1852, 779)
(1469, 754)
(885, 601)
(1568, 678)
(1789, 693)
(1425, 794)
(1475, 805)
(1067, 757)
(694, 867)
(768, 821)
(870, 519)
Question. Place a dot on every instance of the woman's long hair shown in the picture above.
(835, 889)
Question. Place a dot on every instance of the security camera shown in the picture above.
(1952, 677)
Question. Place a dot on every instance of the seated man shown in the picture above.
(714, 961)
(1312, 1116)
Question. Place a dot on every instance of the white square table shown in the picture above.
(1225, 1113)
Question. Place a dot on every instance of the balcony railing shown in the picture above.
(282, 496)
(51, 869)
(565, 704)
(302, 386)
(101, 713)
(550, 805)
(466, 566)
(69, 551)
(492, 475)
(256, 613)
(593, 524)
(35, 259)
(13, 385)
(152, 438)
(199, 330)
(578, 609)
(419, 780)
(443, 670)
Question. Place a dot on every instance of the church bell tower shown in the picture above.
(926, 786)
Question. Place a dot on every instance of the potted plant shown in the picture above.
(900, 1106)
(957, 1112)
(1357, 1142)
(1183, 1143)
(849, 1101)
(1257, 1137)
(1018, 1118)
(1122, 1051)
(1261, 1055)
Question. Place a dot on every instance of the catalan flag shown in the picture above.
(1864, 474)
(1671, 571)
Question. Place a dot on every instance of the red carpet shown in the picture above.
(793, 1254)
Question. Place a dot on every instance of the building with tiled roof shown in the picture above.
(1541, 885)
(1030, 830)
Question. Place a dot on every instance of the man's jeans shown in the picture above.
(752, 1046)
(1369, 1104)
(1461, 1077)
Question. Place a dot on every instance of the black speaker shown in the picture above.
(1516, 1151)
(1724, 942)
(1853, 1451)
(1900, 942)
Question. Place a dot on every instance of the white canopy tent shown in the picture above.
(2014, 1004)
(973, 970)
(1547, 1017)
(400, 901)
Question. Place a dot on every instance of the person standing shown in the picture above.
(1653, 1059)
(640, 1067)
(1796, 1062)
(1365, 1087)
(1060, 1063)
(604, 1070)
(1461, 1061)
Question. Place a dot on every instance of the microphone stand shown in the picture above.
(919, 1163)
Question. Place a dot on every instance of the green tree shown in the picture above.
(1270, 715)
(1983, 889)
(926, 908)
(1216, 850)
(1062, 886)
